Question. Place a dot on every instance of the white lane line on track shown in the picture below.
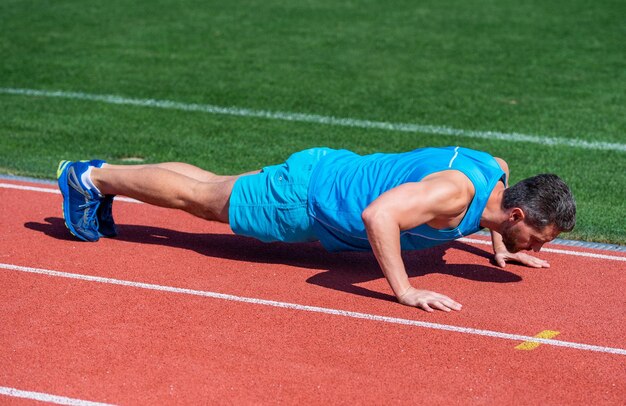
(54, 191)
(46, 397)
(319, 119)
(468, 240)
(554, 250)
(315, 309)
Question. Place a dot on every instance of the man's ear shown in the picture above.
(516, 215)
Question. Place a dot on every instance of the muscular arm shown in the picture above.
(440, 196)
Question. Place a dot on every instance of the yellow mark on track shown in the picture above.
(531, 345)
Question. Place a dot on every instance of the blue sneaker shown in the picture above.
(80, 205)
(106, 224)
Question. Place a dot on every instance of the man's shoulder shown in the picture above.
(453, 180)
(453, 189)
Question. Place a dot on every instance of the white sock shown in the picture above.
(86, 179)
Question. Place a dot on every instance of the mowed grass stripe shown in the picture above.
(319, 119)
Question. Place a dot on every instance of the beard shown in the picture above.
(509, 238)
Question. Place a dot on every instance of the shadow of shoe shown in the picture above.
(53, 227)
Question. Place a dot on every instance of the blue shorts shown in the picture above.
(272, 205)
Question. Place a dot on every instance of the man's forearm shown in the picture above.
(497, 243)
(384, 237)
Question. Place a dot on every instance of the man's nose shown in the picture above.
(537, 247)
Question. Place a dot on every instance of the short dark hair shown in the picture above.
(545, 200)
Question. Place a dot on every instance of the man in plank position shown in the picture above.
(381, 202)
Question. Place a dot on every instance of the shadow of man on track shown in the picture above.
(341, 271)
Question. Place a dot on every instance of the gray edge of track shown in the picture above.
(559, 241)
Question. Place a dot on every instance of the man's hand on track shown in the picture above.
(428, 300)
(502, 258)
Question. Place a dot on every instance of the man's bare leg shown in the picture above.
(172, 185)
(188, 170)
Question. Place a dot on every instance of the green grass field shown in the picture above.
(553, 69)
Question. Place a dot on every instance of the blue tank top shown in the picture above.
(343, 184)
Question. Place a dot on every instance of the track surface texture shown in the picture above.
(96, 340)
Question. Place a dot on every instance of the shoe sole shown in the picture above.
(63, 186)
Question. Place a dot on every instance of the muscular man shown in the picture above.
(380, 202)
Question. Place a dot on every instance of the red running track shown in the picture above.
(103, 342)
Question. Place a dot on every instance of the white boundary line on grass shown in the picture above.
(46, 397)
(319, 119)
(315, 309)
(468, 240)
